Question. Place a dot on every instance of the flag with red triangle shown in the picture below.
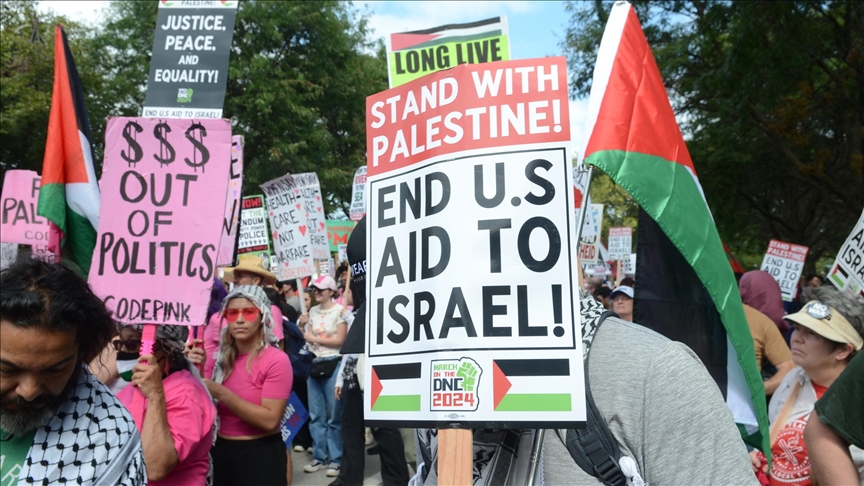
(685, 288)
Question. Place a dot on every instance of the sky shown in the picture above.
(537, 28)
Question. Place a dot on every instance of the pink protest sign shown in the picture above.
(164, 184)
(18, 221)
(290, 231)
(310, 191)
(228, 243)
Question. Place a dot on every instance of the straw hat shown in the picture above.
(254, 264)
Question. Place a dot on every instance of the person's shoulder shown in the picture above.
(109, 420)
(273, 356)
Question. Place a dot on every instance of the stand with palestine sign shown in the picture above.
(189, 68)
(785, 261)
(473, 315)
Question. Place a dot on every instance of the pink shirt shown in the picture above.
(271, 377)
(191, 414)
(213, 330)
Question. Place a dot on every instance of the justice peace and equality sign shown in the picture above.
(473, 318)
(785, 261)
(847, 273)
(164, 184)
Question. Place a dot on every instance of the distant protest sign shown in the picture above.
(847, 273)
(629, 264)
(19, 222)
(338, 233)
(589, 246)
(785, 261)
(580, 197)
(358, 195)
(189, 67)
(472, 309)
(230, 221)
(163, 193)
(411, 55)
(8, 254)
(620, 242)
(288, 225)
(343, 253)
(313, 213)
(253, 227)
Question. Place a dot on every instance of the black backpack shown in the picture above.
(295, 348)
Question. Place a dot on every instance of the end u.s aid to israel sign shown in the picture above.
(472, 312)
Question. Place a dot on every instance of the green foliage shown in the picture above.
(770, 96)
(619, 208)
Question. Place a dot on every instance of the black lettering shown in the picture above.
(146, 223)
(428, 57)
(105, 244)
(380, 324)
(121, 243)
(444, 239)
(412, 61)
(522, 306)
(480, 194)
(399, 68)
(133, 268)
(457, 301)
(208, 263)
(490, 310)
(384, 205)
(386, 269)
(186, 178)
(524, 246)
(421, 319)
(531, 174)
(143, 186)
(167, 245)
(166, 194)
(144, 315)
(189, 260)
(494, 226)
(442, 56)
(400, 319)
(409, 199)
(445, 193)
(158, 221)
(495, 47)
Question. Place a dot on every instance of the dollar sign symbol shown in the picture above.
(132, 144)
(166, 151)
(199, 145)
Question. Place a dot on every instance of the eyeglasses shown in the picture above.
(249, 313)
(129, 344)
(319, 291)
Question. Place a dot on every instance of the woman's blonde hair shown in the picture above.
(229, 348)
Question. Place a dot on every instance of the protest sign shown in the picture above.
(232, 205)
(8, 254)
(189, 67)
(411, 55)
(313, 207)
(580, 183)
(343, 253)
(163, 193)
(288, 225)
(589, 246)
(338, 233)
(253, 226)
(784, 261)
(847, 273)
(473, 315)
(19, 222)
(598, 270)
(358, 195)
(629, 264)
(620, 242)
(294, 417)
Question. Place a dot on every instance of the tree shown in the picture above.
(619, 209)
(769, 95)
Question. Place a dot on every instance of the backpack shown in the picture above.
(594, 448)
(295, 348)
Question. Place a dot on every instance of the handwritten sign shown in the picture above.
(289, 229)
(232, 205)
(313, 206)
(19, 222)
(163, 196)
(358, 195)
(785, 261)
(338, 233)
(847, 273)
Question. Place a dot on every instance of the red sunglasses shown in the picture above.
(249, 313)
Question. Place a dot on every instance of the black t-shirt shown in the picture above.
(357, 260)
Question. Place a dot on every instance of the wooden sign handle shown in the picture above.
(455, 457)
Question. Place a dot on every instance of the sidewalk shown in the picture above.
(300, 478)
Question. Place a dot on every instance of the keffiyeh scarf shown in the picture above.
(91, 440)
(259, 299)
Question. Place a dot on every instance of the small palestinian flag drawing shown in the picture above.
(398, 378)
(524, 385)
(839, 276)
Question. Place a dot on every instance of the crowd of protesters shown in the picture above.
(83, 403)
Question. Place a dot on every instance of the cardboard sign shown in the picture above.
(629, 264)
(313, 207)
(847, 273)
(338, 233)
(253, 227)
(590, 245)
(784, 261)
(163, 192)
(230, 221)
(19, 222)
(358, 195)
(473, 315)
(411, 55)
(289, 229)
(294, 417)
(189, 67)
(620, 242)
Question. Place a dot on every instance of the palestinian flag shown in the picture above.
(685, 288)
(390, 382)
(69, 196)
(527, 385)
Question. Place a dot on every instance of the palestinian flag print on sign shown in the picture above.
(528, 385)
(390, 384)
(632, 135)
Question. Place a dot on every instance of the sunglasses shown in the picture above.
(130, 344)
(320, 291)
(249, 313)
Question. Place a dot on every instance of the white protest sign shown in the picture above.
(784, 261)
(343, 253)
(313, 214)
(629, 264)
(291, 236)
(253, 226)
(589, 246)
(847, 273)
(358, 195)
(472, 310)
(580, 181)
(620, 242)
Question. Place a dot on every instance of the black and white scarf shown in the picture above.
(91, 440)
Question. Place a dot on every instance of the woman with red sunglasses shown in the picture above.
(251, 382)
